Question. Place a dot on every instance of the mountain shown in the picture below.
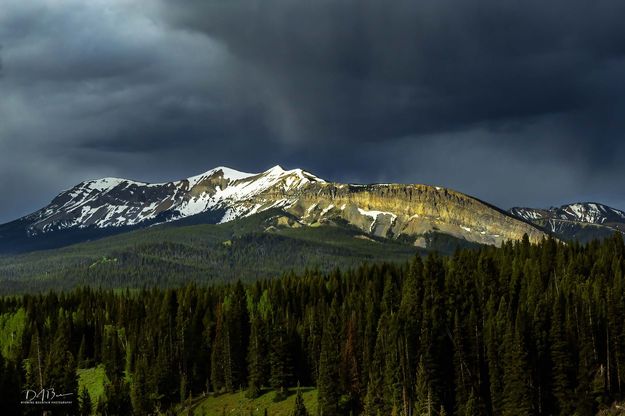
(410, 213)
(114, 202)
(582, 221)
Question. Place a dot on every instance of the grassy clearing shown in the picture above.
(94, 379)
(11, 329)
(237, 404)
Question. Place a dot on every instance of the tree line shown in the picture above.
(518, 330)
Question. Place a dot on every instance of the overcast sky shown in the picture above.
(515, 102)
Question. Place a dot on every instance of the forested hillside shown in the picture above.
(173, 255)
(518, 330)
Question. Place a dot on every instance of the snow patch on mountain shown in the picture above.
(375, 216)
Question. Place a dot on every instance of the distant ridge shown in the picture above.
(582, 221)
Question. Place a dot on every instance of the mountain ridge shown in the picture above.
(582, 221)
(114, 202)
(222, 194)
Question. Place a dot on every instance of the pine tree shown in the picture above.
(392, 363)
(350, 371)
(516, 393)
(329, 362)
(462, 373)
(280, 360)
(409, 320)
(70, 381)
(81, 359)
(86, 407)
(300, 408)
(220, 358)
(423, 393)
(561, 362)
(118, 401)
(139, 391)
(494, 329)
(256, 358)
(60, 365)
(54, 373)
(33, 365)
(436, 346)
(238, 330)
(377, 400)
(373, 401)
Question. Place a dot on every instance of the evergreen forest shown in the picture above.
(517, 330)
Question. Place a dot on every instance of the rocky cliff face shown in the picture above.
(385, 210)
(411, 210)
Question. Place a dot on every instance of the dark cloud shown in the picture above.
(376, 71)
(515, 102)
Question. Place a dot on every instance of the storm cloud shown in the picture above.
(518, 103)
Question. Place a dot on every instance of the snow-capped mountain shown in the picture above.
(223, 194)
(114, 202)
(588, 212)
(581, 220)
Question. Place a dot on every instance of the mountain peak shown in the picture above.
(231, 173)
(228, 173)
(276, 169)
(298, 173)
